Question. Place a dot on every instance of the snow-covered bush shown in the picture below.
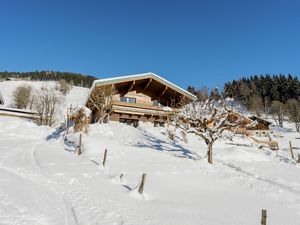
(21, 96)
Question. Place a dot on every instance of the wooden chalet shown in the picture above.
(261, 124)
(145, 98)
(252, 125)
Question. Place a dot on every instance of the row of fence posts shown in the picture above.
(143, 178)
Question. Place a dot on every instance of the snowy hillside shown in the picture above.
(41, 182)
(76, 96)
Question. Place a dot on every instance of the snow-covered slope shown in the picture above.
(76, 96)
(41, 183)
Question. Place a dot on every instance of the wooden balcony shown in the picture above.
(139, 109)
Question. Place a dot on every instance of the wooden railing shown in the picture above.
(141, 106)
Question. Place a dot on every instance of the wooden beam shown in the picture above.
(164, 91)
(147, 85)
(124, 92)
(131, 86)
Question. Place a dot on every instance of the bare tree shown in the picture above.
(209, 120)
(256, 104)
(293, 111)
(215, 95)
(278, 111)
(64, 87)
(100, 102)
(267, 104)
(203, 94)
(245, 93)
(21, 96)
(46, 103)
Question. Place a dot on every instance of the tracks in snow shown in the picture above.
(78, 205)
(260, 178)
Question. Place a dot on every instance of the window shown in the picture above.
(130, 122)
(157, 103)
(127, 99)
(159, 124)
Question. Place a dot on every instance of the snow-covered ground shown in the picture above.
(75, 97)
(42, 183)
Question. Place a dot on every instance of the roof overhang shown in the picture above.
(130, 81)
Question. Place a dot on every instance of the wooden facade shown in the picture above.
(261, 124)
(144, 98)
(252, 125)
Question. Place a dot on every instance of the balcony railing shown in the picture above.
(140, 108)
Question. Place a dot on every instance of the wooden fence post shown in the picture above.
(264, 217)
(291, 149)
(79, 147)
(104, 158)
(141, 187)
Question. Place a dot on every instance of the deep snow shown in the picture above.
(43, 183)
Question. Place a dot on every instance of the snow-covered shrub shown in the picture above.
(21, 96)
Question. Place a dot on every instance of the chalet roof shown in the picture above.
(17, 110)
(259, 119)
(4, 111)
(252, 118)
(143, 76)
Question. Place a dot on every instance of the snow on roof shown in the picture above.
(142, 76)
(4, 111)
(17, 110)
(19, 114)
(259, 119)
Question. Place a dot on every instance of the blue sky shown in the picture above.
(187, 42)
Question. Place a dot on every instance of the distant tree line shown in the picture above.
(76, 79)
(276, 95)
(204, 94)
(263, 88)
